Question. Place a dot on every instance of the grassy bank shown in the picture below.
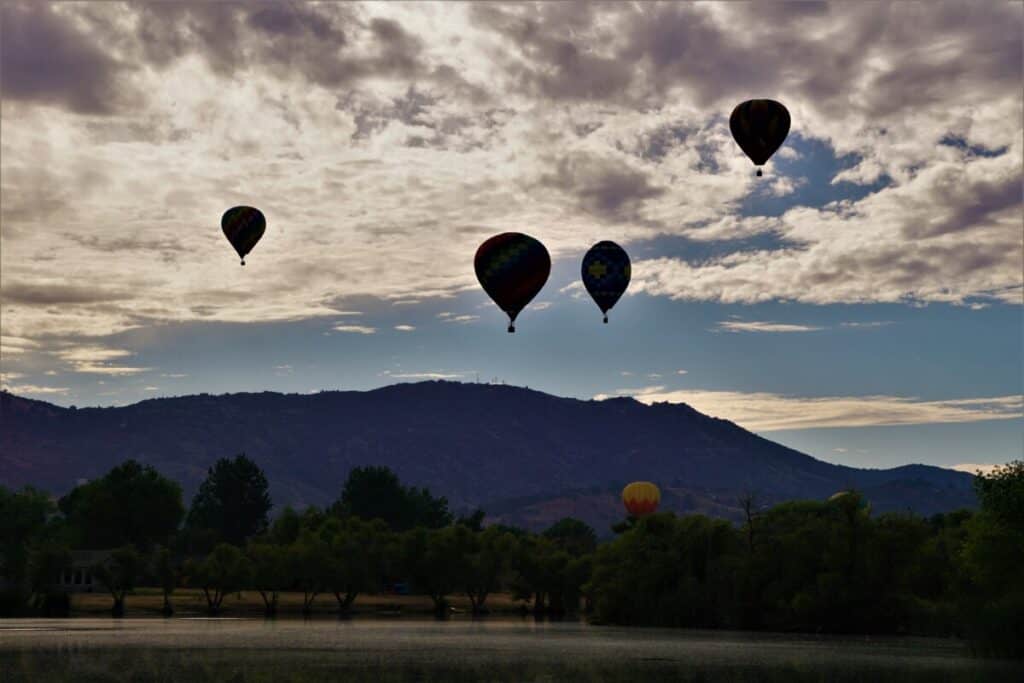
(191, 602)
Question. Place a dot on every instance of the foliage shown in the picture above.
(131, 504)
(225, 570)
(119, 573)
(376, 493)
(166, 574)
(23, 522)
(271, 573)
(993, 555)
(573, 536)
(232, 502)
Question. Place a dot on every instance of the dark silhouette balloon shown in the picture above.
(759, 127)
(243, 226)
(605, 272)
(512, 268)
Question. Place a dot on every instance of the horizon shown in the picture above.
(966, 468)
(862, 302)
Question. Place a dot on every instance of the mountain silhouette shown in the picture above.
(524, 456)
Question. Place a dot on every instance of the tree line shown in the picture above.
(818, 566)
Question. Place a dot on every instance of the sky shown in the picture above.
(862, 302)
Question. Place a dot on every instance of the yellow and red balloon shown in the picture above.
(641, 498)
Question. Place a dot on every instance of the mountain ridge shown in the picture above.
(477, 444)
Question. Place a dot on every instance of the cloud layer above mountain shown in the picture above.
(384, 142)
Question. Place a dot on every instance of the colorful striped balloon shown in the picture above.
(512, 268)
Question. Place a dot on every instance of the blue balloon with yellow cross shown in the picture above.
(605, 274)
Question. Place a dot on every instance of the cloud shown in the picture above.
(405, 328)
(358, 329)
(427, 375)
(95, 360)
(47, 294)
(766, 412)
(465, 318)
(390, 139)
(34, 389)
(974, 467)
(869, 323)
(45, 58)
(681, 372)
(755, 326)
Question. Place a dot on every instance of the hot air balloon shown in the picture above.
(512, 268)
(605, 272)
(759, 127)
(243, 226)
(641, 498)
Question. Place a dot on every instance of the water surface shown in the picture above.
(244, 650)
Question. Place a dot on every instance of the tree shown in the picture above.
(233, 501)
(118, 573)
(223, 571)
(23, 518)
(487, 564)
(376, 493)
(435, 560)
(573, 536)
(309, 565)
(270, 573)
(359, 552)
(131, 504)
(166, 575)
(47, 561)
(993, 556)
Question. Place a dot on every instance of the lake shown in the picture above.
(426, 651)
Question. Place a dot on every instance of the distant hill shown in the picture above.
(524, 456)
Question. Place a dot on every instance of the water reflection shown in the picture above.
(426, 651)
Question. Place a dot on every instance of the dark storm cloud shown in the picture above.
(44, 59)
(766, 49)
(967, 207)
(43, 295)
(603, 187)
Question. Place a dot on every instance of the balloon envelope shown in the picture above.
(641, 498)
(605, 273)
(512, 268)
(243, 226)
(759, 128)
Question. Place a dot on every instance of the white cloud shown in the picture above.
(151, 388)
(755, 326)
(405, 328)
(34, 389)
(681, 372)
(358, 329)
(95, 360)
(872, 323)
(765, 412)
(586, 124)
(974, 467)
(427, 375)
